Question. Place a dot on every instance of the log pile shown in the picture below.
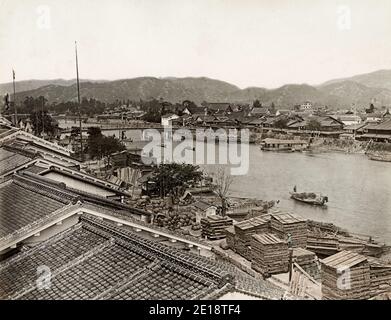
(213, 227)
(287, 223)
(270, 254)
(175, 220)
(345, 275)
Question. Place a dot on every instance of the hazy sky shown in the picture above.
(244, 42)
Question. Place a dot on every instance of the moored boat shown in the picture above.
(310, 198)
(279, 145)
(380, 157)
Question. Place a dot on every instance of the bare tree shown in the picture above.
(223, 183)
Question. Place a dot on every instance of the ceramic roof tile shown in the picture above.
(96, 260)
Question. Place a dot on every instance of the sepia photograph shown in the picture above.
(218, 151)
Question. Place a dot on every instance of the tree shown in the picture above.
(223, 183)
(257, 104)
(371, 109)
(94, 142)
(99, 146)
(314, 125)
(273, 108)
(281, 123)
(152, 116)
(109, 145)
(42, 123)
(174, 178)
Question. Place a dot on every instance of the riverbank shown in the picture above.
(331, 144)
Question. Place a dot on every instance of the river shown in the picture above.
(359, 190)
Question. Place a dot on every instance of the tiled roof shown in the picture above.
(96, 260)
(35, 168)
(23, 203)
(25, 136)
(10, 159)
(28, 200)
(385, 125)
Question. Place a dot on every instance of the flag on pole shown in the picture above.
(13, 74)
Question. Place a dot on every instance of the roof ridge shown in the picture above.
(145, 247)
(74, 194)
(49, 191)
(20, 151)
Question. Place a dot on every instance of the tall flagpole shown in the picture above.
(78, 100)
(15, 110)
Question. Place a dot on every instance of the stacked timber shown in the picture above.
(308, 261)
(213, 227)
(244, 231)
(327, 245)
(284, 224)
(365, 247)
(380, 277)
(323, 246)
(270, 254)
(345, 275)
(230, 237)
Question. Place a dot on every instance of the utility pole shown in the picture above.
(15, 110)
(78, 101)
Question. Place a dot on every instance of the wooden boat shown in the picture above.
(280, 149)
(279, 145)
(310, 198)
(380, 157)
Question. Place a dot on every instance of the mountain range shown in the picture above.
(360, 90)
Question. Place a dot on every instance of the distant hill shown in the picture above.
(349, 92)
(27, 85)
(376, 79)
(170, 89)
(334, 93)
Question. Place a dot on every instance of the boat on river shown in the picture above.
(380, 157)
(310, 198)
(279, 145)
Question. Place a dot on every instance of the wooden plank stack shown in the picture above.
(270, 254)
(345, 275)
(323, 246)
(213, 227)
(244, 231)
(380, 277)
(307, 260)
(230, 237)
(283, 224)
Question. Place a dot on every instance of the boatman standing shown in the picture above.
(294, 189)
